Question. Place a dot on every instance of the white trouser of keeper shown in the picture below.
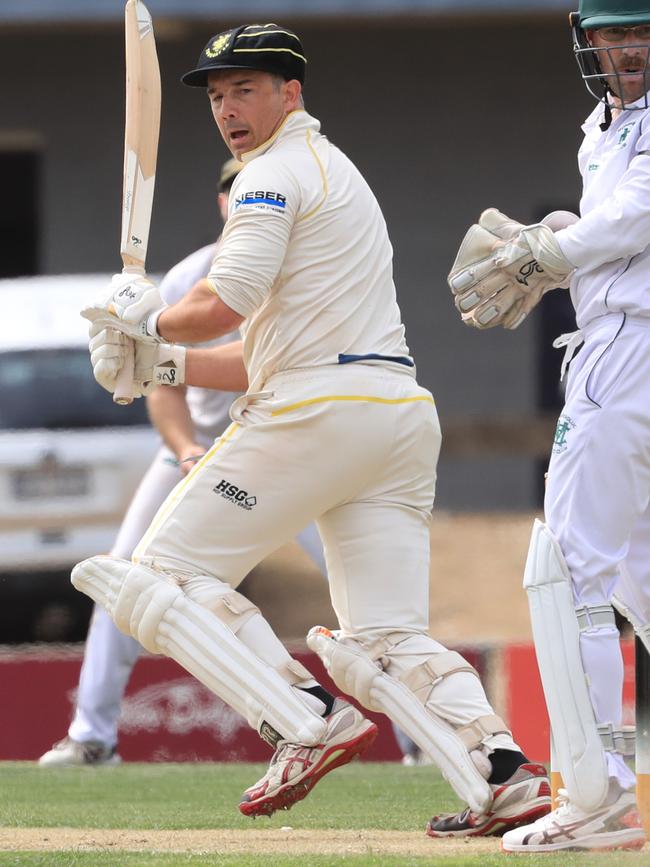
(597, 502)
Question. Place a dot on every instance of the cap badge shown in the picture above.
(218, 45)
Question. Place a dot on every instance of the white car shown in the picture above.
(70, 458)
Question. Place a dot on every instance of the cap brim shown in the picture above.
(199, 77)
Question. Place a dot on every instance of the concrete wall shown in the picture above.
(443, 118)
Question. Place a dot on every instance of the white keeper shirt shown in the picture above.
(610, 244)
(305, 258)
(208, 408)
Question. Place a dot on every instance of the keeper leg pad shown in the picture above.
(556, 630)
(154, 610)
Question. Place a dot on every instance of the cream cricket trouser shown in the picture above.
(598, 495)
(109, 655)
(352, 446)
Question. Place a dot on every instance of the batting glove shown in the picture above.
(131, 304)
(155, 363)
(108, 353)
(158, 364)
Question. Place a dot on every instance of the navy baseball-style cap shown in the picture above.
(267, 47)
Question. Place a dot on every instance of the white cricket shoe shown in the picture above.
(295, 769)
(69, 753)
(612, 826)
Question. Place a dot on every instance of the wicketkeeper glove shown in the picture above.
(155, 363)
(131, 304)
(503, 268)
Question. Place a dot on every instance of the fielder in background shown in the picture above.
(188, 420)
(333, 427)
(594, 548)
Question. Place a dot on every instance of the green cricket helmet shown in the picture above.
(613, 13)
(593, 15)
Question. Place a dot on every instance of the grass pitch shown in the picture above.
(137, 815)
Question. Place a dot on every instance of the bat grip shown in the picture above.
(123, 393)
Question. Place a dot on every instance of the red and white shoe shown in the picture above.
(523, 798)
(295, 769)
(612, 826)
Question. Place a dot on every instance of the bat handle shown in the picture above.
(123, 393)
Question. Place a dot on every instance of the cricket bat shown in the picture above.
(141, 131)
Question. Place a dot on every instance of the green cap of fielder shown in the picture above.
(611, 42)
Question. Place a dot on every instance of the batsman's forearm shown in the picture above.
(219, 367)
(198, 317)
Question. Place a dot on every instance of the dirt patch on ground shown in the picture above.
(282, 842)
(272, 842)
(276, 842)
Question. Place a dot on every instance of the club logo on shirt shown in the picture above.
(624, 135)
(564, 426)
(262, 200)
(235, 495)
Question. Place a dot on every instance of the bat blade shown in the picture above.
(141, 133)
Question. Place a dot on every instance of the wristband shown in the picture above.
(152, 323)
(169, 369)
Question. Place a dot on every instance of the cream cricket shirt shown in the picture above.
(610, 244)
(305, 258)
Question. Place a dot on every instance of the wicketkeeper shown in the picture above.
(593, 549)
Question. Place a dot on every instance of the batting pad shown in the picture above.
(356, 673)
(156, 612)
(578, 746)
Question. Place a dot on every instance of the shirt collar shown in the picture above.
(296, 121)
(596, 116)
(641, 103)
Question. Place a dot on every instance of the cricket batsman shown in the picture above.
(333, 427)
